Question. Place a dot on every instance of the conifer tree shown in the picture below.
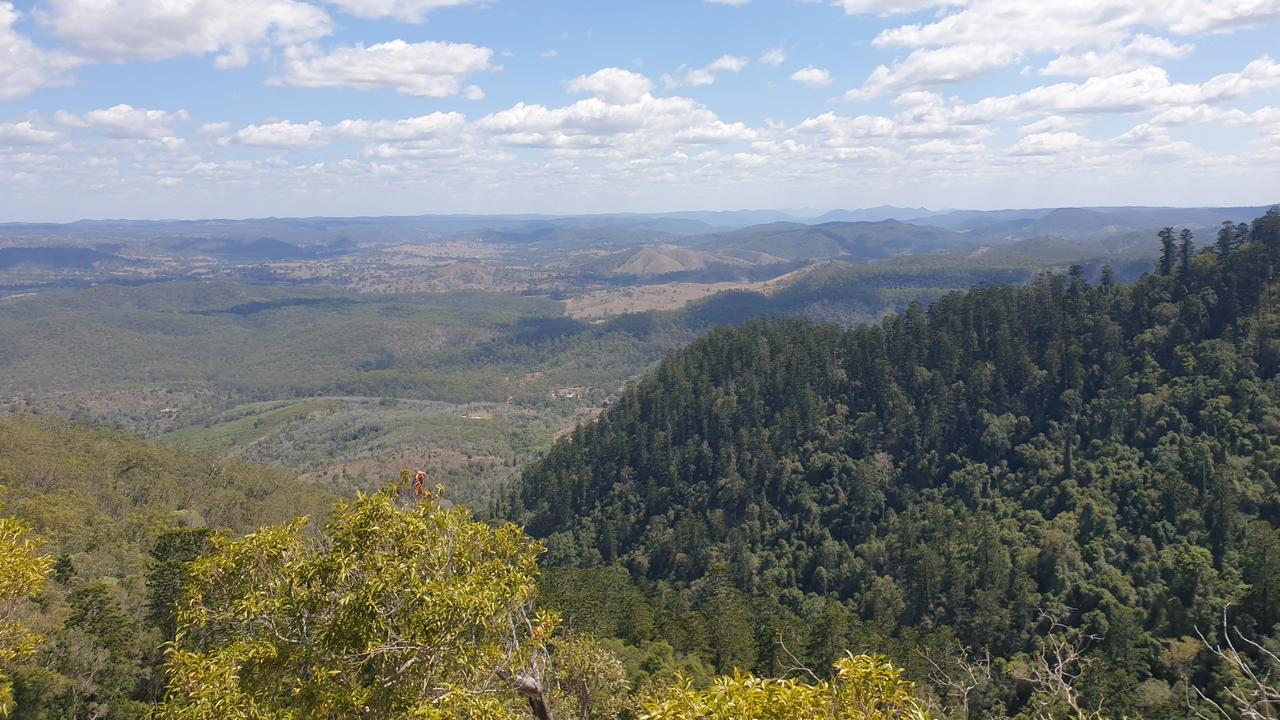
(1168, 251)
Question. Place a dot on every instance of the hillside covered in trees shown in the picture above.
(117, 520)
(1066, 478)
(1056, 500)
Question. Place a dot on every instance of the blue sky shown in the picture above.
(236, 108)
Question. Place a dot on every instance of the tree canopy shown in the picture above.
(390, 611)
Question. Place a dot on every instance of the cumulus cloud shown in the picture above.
(773, 57)
(425, 69)
(407, 10)
(1050, 143)
(640, 126)
(707, 74)
(926, 68)
(26, 133)
(126, 122)
(1052, 124)
(890, 7)
(1137, 53)
(283, 134)
(424, 127)
(716, 132)
(812, 76)
(1061, 27)
(968, 38)
(25, 67)
(613, 85)
(1205, 114)
(128, 30)
(1144, 89)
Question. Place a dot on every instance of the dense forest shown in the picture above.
(1054, 500)
(1064, 478)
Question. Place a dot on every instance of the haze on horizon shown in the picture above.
(255, 108)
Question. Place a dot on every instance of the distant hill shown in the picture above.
(1077, 223)
(875, 214)
(616, 228)
(54, 257)
(857, 241)
(667, 259)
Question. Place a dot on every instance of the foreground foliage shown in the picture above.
(120, 521)
(390, 612)
(22, 574)
(864, 688)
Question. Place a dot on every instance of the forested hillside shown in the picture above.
(118, 520)
(1070, 470)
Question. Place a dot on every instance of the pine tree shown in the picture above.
(1226, 239)
(1167, 251)
(1186, 249)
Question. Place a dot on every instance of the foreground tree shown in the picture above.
(22, 575)
(864, 688)
(392, 611)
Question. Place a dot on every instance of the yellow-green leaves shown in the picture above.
(390, 612)
(865, 688)
(22, 575)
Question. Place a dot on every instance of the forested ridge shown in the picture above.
(1057, 465)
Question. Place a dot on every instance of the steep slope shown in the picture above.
(1014, 468)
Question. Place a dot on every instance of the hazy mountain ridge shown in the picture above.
(1069, 221)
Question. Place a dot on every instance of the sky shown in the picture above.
(252, 108)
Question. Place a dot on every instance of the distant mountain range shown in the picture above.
(866, 234)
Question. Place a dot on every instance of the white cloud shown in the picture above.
(283, 134)
(407, 10)
(1052, 124)
(425, 127)
(925, 68)
(729, 2)
(436, 127)
(773, 57)
(25, 67)
(707, 74)
(26, 133)
(1206, 114)
(1137, 53)
(425, 69)
(1050, 143)
(128, 30)
(127, 122)
(1144, 89)
(1060, 27)
(968, 38)
(613, 85)
(473, 92)
(640, 127)
(716, 132)
(890, 7)
(812, 76)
